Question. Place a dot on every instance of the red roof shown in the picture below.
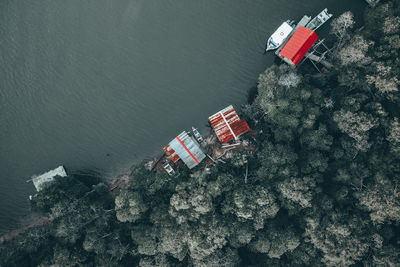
(227, 124)
(171, 153)
(298, 45)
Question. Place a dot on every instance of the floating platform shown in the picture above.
(40, 180)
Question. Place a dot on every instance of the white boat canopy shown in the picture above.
(281, 33)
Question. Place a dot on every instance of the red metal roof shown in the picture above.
(298, 45)
(227, 124)
(171, 153)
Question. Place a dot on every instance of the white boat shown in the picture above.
(197, 135)
(280, 35)
(168, 169)
(320, 19)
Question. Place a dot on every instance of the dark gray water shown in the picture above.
(83, 79)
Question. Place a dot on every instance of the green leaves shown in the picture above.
(255, 204)
(129, 206)
(382, 199)
(357, 126)
(275, 241)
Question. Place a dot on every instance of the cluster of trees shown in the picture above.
(322, 188)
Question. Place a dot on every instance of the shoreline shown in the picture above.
(115, 183)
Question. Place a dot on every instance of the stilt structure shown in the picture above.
(319, 57)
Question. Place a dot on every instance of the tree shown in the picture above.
(146, 239)
(129, 206)
(384, 256)
(241, 234)
(317, 139)
(391, 25)
(160, 260)
(304, 255)
(277, 162)
(289, 79)
(68, 257)
(381, 199)
(267, 89)
(341, 27)
(340, 237)
(356, 125)
(148, 183)
(252, 203)
(275, 241)
(225, 257)
(355, 52)
(172, 241)
(206, 238)
(297, 193)
(61, 189)
(191, 199)
(106, 243)
(394, 136)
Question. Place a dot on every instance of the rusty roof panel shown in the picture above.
(227, 124)
(171, 154)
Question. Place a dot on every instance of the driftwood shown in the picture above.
(211, 158)
(247, 172)
(233, 145)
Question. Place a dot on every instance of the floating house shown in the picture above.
(227, 124)
(298, 45)
(40, 180)
(186, 148)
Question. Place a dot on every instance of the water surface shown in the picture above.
(99, 84)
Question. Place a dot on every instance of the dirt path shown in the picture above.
(12, 234)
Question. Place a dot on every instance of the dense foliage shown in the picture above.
(321, 190)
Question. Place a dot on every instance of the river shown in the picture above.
(100, 84)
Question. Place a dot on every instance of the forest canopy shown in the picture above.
(321, 189)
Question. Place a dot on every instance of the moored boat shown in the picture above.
(197, 135)
(320, 19)
(280, 35)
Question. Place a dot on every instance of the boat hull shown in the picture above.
(279, 36)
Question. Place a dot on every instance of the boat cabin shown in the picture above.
(279, 36)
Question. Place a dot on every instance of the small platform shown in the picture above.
(40, 180)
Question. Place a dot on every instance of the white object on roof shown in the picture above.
(40, 180)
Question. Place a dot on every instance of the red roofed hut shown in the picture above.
(185, 147)
(298, 45)
(227, 124)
